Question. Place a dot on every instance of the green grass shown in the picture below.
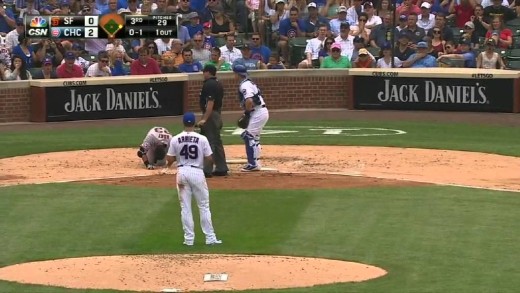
(435, 239)
(429, 239)
(491, 139)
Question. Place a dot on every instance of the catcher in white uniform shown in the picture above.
(254, 118)
(153, 149)
(190, 149)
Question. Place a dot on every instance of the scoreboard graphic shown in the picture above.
(107, 26)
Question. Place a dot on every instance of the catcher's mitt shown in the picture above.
(243, 122)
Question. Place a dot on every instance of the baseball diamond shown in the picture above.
(429, 209)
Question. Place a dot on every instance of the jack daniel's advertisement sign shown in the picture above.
(114, 101)
(444, 94)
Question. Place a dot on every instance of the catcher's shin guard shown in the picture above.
(250, 143)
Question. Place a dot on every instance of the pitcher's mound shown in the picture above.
(186, 272)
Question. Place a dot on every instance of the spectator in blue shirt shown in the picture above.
(194, 27)
(468, 55)
(290, 28)
(183, 34)
(421, 59)
(112, 7)
(188, 65)
(7, 21)
(209, 41)
(259, 51)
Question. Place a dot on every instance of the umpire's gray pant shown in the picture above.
(211, 130)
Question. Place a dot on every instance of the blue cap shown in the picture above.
(188, 118)
(70, 55)
(422, 45)
(240, 69)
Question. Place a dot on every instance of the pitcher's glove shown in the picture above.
(243, 122)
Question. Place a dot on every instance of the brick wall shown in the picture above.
(282, 89)
(14, 101)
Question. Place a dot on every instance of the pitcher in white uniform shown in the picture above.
(252, 102)
(153, 149)
(190, 149)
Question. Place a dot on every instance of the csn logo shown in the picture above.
(39, 27)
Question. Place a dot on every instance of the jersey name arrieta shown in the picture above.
(190, 148)
(248, 89)
(155, 137)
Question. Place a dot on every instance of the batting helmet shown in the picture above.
(240, 69)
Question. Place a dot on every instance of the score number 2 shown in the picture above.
(162, 22)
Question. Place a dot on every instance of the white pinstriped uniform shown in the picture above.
(189, 149)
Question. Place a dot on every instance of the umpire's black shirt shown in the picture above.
(212, 90)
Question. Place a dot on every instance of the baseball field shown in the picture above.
(431, 199)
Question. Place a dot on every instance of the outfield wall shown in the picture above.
(443, 89)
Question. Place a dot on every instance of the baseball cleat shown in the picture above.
(187, 243)
(250, 168)
(214, 242)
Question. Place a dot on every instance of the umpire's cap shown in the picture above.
(188, 119)
(240, 69)
(210, 68)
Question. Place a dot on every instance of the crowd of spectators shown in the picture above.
(264, 35)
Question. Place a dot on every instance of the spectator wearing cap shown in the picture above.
(426, 20)
(259, 51)
(7, 19)
(416, 33)
(11, 39)
(229, 52)
(463, 10)
(25, 50)
(161, 9)
(276, 15)
(145, 64)
(194, 26)
(200, 54)
(46, 72)
(403, 49)
(497, 9)
(386, 58)
(346, 40)
(314, 21)
(208, 40)
(421, 59)
(403, 21)
(353, 12)
(469, 34)
(100, 68)
(407, 8)
(335, 60)
(80, 61)
(490, 59)
(30, 7)
(373, 20)
(219, 63)
(363, 59)
(189, 65)
(247, 59)
(466, 54)
(381, 34)
(342, 18)
(312, 50)
(359, 43)
(68, 69)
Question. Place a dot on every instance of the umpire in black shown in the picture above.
(211, 123)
